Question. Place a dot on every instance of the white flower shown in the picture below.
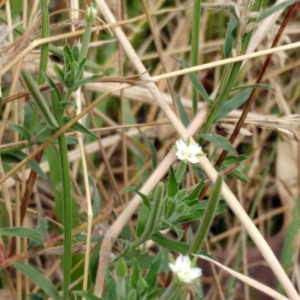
(188, 152)
(183, 271)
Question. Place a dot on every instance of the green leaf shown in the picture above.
(132, 295)
(39, 100)
(169, 244)
(151, 149)
(38, 278)
(135, 274)
(111, 285)
(53, 86)
(270, 11)
(59, 73)
(196, 191)
(94, 238)
(126, 233)
(75, 52)
(17, 156)
(79, 127)
(97, 200)
(172, 185)
(231, 34)
(27, 123)
(219, 141)
(289, 244)
(182, 113)
(43, 135)
(93, 266)
(142, 219)
(152, 274)
(121, 268)
(87, 80)
(145, 199)
(196, 83)
(237, 173)
(254, 86)
(87, 295)
(24, 132)
(41, 228)
(65, 104)
(23, 232)
(232, 104)
(35, 297)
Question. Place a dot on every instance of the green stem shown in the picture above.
(195, 47)
(208, 217)
(67, 200)
(172, 290)
(154, 215)
(85, 41)
(228, 79)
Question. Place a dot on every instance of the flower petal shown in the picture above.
(193, 159)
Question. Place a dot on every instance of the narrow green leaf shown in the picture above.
(111, 285)
(87, 295)
(97, 199)
(59, 73)
(196, 83)
(17, 156)
(24, 132)
(172, 185)
(39, 100)
(121, 268)
(181, 171)
(142, 219)
(145, 199)
(289, 245)
(41, 228)
(84, 81)
(27, 123)
(151, 149)
(79, 127)
(219, 141)
(93, 265)
(169, 244)
(23, 232)
(53, 86)
(232, 104)
(75, 52)
(254, 86)
(135, 274)
(152, 274)
(35, 297)
(231, 34)
(270, 11)
(126, 233)
(183, 115)
(196, 191)
(237, 173)
(38, 278)
(132, 295)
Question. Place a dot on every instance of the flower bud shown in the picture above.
(90, 14)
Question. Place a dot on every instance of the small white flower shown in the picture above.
(183, 271)
(186, 152)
